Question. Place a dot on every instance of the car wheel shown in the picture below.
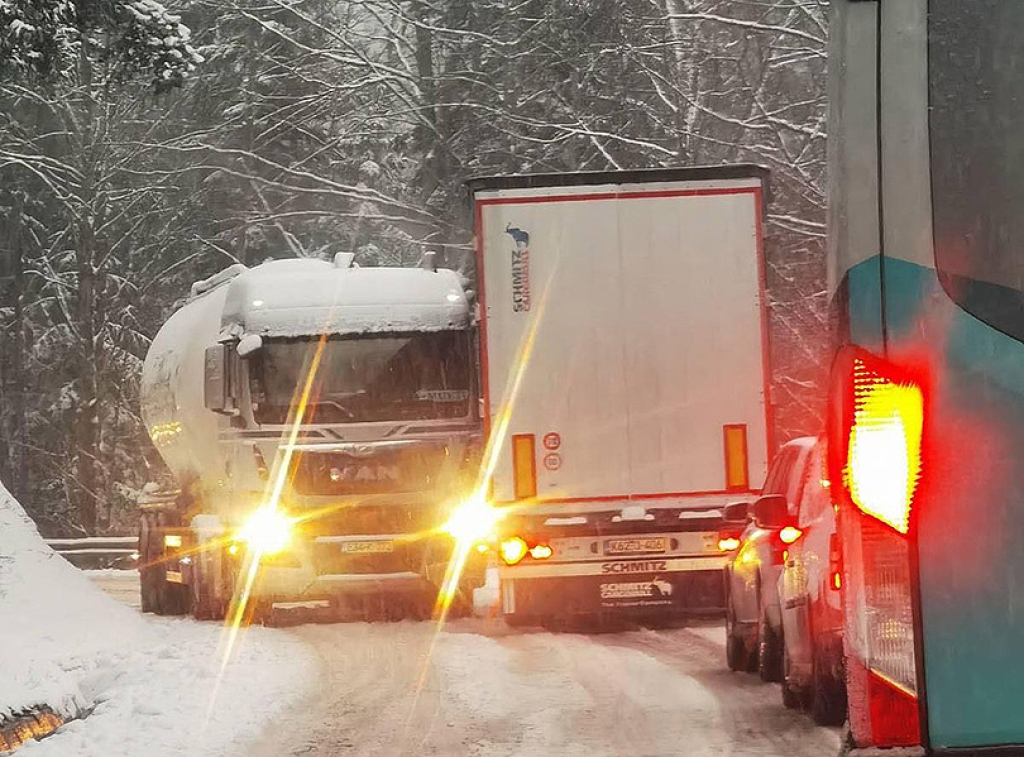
(792, 698)
(735, 649)
(769, 653)
(828, 695)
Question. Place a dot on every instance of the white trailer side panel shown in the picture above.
(645, 302)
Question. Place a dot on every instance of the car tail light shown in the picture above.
(877, 422)
(835, 571)
(789, 534)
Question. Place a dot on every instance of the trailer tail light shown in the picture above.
(728, 544)
(875, 433)
(541, 552)
(513, 550)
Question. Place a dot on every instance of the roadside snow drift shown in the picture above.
(129, 684)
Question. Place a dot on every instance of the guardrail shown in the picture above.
(93, 552)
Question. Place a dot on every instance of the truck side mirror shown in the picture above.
(736, 512)
(771, 512)
(216, 385)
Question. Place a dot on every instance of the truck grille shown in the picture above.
(417, 468)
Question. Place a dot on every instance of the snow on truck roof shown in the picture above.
(298, 297)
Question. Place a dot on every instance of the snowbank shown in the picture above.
(147, 686)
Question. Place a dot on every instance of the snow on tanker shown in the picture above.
(318, 416)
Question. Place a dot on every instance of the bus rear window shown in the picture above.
(976, 70)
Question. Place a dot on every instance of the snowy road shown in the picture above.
(483, 690)
(490, 692)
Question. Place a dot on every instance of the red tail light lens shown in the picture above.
(883, 463)
(513, 550)
(876, 428)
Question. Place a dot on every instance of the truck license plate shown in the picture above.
(367, 547)
(644, 546)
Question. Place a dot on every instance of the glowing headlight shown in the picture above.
(473, 520)
(267, 531)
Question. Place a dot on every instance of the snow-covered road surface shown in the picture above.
(479, 689)
(488, 691)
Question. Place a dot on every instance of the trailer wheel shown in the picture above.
(519, 620)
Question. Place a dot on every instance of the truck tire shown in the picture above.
(150, 578)
(828, 695)
(205, 605)
(770, 652)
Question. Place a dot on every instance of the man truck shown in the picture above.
(321, 421)
(625, 382)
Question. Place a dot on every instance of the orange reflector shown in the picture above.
(883, 461)
(728, 544)
(540, 552)
(513, 550)
(790, 534)
(737, 475)
(524, 465)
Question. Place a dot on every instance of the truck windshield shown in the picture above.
(367, 378)
(976, 65)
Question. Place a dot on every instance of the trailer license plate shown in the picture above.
(367, 547)
(644, 546)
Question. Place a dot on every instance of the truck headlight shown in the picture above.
(473, 520)
(268, 531)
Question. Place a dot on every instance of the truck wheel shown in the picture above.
(769, 653)
(205, 606)
(828, 696)
(150, 579)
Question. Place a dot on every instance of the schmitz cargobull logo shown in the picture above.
(520, 269)
(642, 566)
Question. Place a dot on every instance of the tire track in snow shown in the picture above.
(752, 711)
(491, 692)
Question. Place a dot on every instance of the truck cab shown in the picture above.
(338, 403)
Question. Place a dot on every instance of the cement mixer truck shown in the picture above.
(320, 419)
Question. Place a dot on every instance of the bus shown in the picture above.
(926, 410)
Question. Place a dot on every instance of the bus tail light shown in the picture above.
(875, 433)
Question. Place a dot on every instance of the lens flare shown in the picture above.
(268, 531)
(473, 520)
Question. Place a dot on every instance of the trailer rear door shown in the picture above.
(624, 333)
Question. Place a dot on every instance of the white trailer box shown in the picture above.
(624, 345)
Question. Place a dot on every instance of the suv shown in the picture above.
(753, 619)
(812, 616)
